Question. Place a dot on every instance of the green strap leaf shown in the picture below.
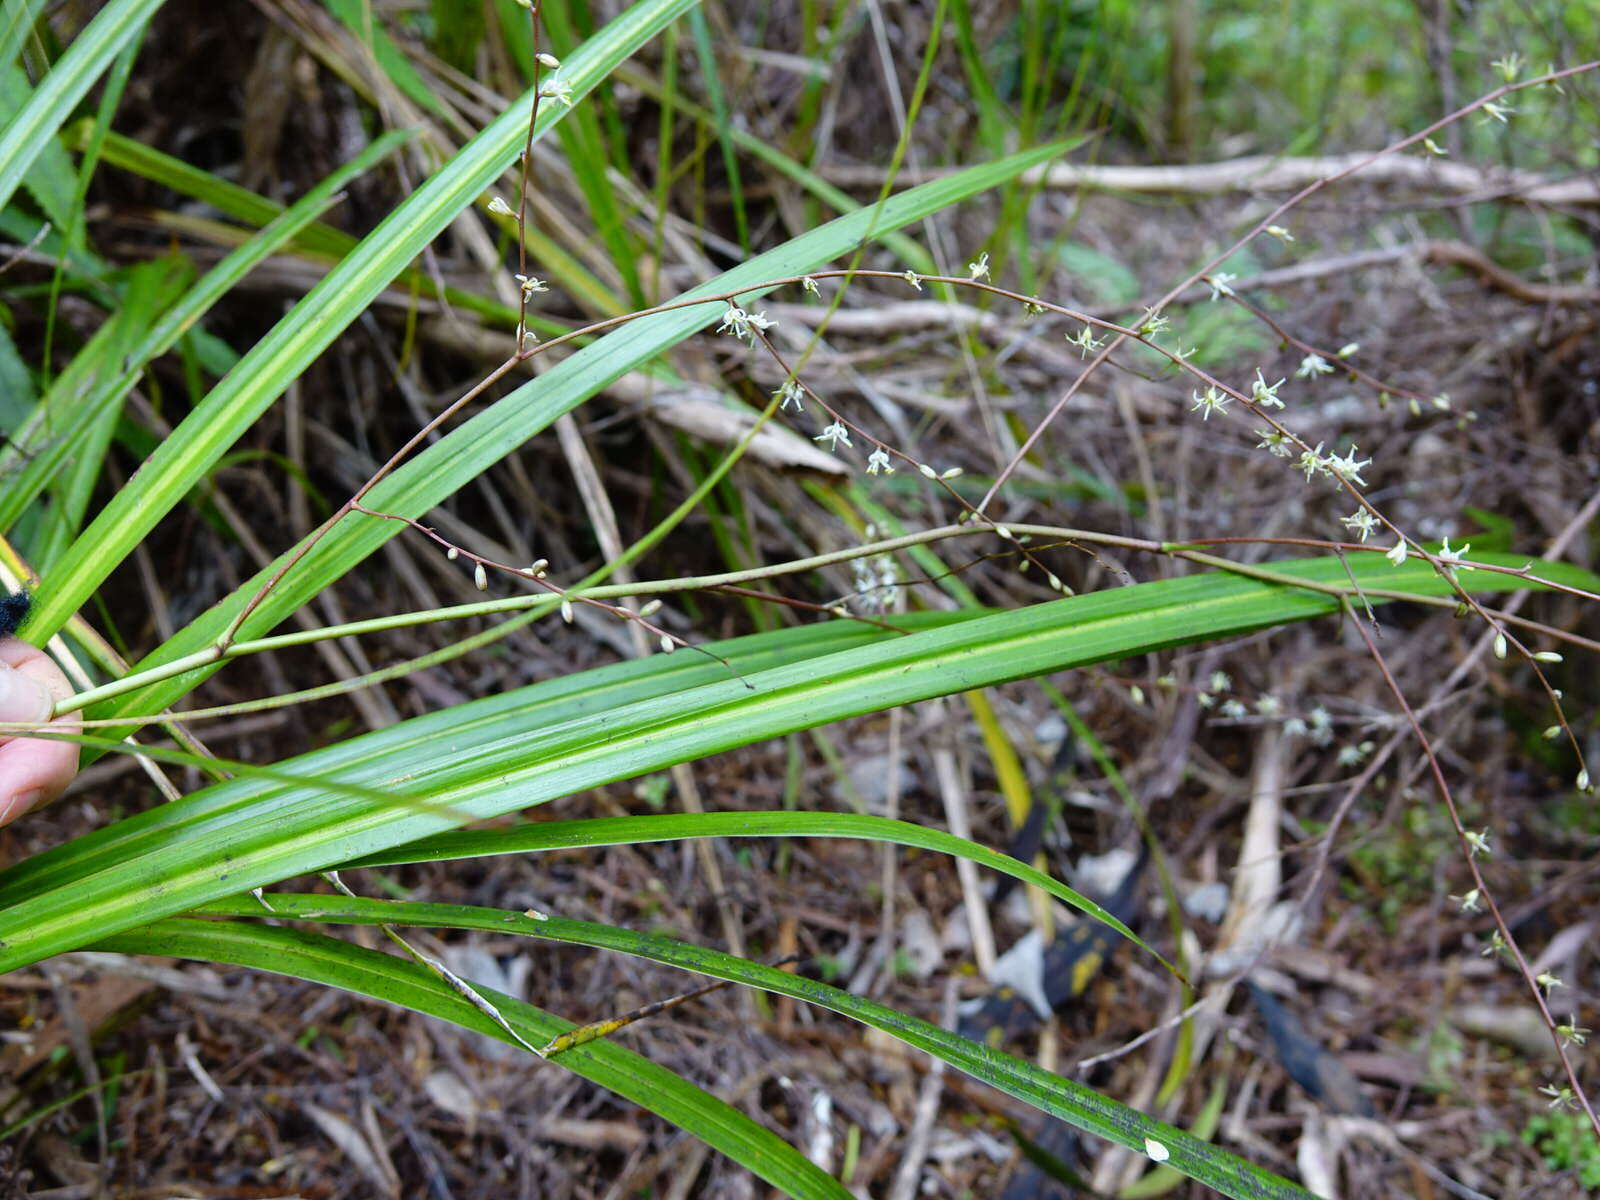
(486, 759)
(1060, 1097)
(393, 980)
(308, 329)
(32, 131)
(671, 827)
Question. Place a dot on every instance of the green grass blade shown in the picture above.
(317, 239)
(671, 827)
(1064, 1098)
(307, 330)
(840, 201)
(392, 980)
(444, 467)
(16, 22)
(489, 758)
(93, 391)
(34, 128)
(700, 30)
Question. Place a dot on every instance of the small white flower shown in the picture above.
(790, 393)
(877, 461)
(980, 268)
(1205, 699)
(833, 435)
(1221, 681)
(810, 285)
(1360, 523)
(556, 88)
(744, 325)
(913, 279)
(1265, 394)
(1294, 727)
(1234, 708)
(1478, 843)
(1275, 443)
(531, 285)
(1509, 66)
(1548, 982)
(1349, 467)
(1279, 232)
(1321, 725)
(1311, 365)
(1452, 558)
(1397, 553)
(1312, 462)
(1470, 903)
(1269, 706)
(1219, 282)
(1152, 323)
(1350, 756)
(1498, 111)
(1086, 342)
(1572, 1032)
(500, 208)
(1212, 401)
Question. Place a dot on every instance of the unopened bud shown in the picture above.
(480, 577)
(537, 567)
(650, 609)
(500, 208)
(549, 61)
(566, 611)
(452, 554)
(1548, 656)
(667, 644)
(1499, 645)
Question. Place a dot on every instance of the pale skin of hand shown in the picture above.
(33, 771)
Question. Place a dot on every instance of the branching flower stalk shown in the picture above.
(1262, 398)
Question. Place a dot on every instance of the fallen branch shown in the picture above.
(1265, 173)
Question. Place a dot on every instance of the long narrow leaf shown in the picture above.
(671, 827)
(1064, 1098)
(397, 981)
(242, 834)
(464, 453)
(34, 128)
(307, 330)
(36, 464)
